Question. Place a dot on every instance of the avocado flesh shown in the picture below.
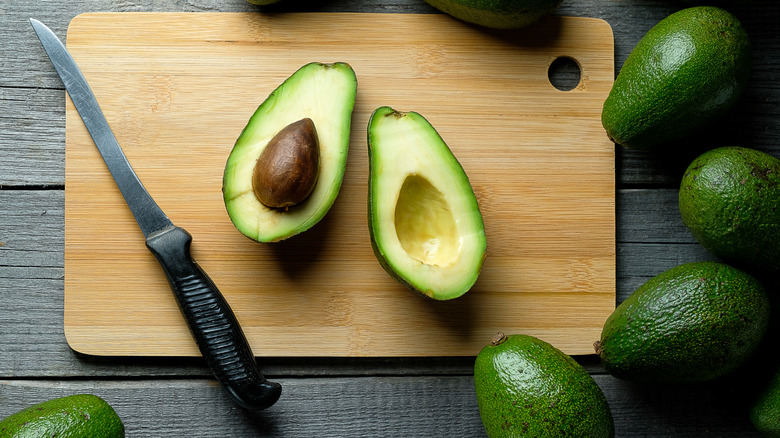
(325, 93)
(685, 73)
(425, 224)
(693, 323)
(526, 387)
(497, 14)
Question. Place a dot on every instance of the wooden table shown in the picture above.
(339, 397)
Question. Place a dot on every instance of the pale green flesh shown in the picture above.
(326, 94)
(424, 219)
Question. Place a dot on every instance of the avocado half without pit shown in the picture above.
(425, 224)
(286, 167)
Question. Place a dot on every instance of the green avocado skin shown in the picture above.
(765, 410)
(730, 201)
(498, 14)
(528, 388)
(695, 322)
(686, 72)
(74, 416)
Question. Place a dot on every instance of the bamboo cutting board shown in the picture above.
(178, 89)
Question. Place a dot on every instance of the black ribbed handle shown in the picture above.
(212, 323)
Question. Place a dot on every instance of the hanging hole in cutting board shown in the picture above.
(564, 73)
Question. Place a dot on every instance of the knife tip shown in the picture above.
(36, 23)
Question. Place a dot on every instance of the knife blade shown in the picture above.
(211, 321)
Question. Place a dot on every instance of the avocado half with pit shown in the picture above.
(425, 224)
(293, 150)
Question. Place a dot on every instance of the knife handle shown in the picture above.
(212, 323)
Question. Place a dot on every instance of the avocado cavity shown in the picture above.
(424, 223)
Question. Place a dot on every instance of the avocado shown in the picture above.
(686, 72)
(317, 100)
(527, 387)
(730, 201)
(695, 322)
(765, 409)
(74, 416)
(498, 14)
(425, 224)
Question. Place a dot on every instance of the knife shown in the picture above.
(210, 319)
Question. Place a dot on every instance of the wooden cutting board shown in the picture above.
(178, 89)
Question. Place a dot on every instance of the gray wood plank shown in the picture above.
(32, 136)
(380, 406)
(337, 407)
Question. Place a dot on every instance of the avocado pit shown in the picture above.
(286, 171)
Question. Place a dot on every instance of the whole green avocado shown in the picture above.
(695, 322)
(765, 410)
(528, 388)
(73, 416)
(730, 201)
(498, 14)
(686, 72)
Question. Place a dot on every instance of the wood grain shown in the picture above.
(178, 88)
(33, 269)
(381, 406)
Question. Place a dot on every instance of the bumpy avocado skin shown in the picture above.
(528, 388)
(695, 322)
(75, 416)
(686, 72)
(730, 201)
(765, 411)
(498, 14)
